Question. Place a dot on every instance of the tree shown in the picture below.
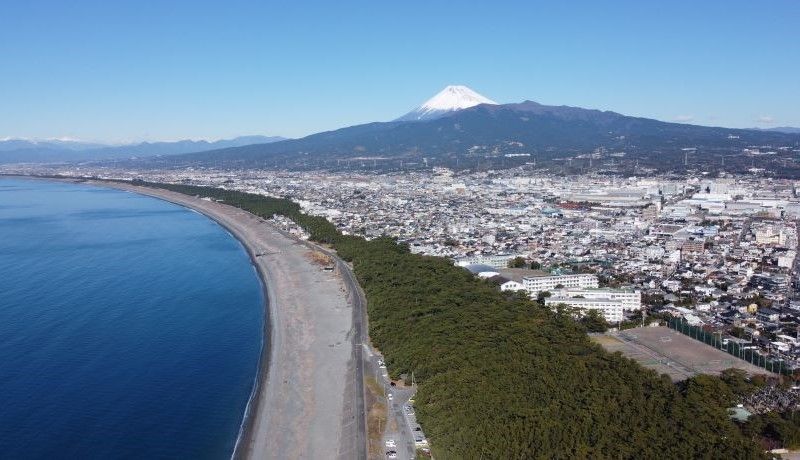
(521, 380)
(594, 321)
(536, 265)
(516, 262)
(737, 332)
(543, 295)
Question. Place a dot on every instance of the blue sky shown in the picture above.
(149, 70)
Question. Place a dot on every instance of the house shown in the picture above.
(768, 315)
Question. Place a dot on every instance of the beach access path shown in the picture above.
(309, 403)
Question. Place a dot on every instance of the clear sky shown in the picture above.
(162, 70)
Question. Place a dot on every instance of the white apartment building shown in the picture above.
(631, 299)
(536, 284)
(512, 286)
(769, 235)
(787, 260)
(612, 310)
(492, 260)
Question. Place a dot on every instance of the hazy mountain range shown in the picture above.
(58, 150)
(501, 135)
(459, 127)
(782, 129)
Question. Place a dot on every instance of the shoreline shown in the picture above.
(244, 434)
(246, 426)
(308, 395)
(249, 442)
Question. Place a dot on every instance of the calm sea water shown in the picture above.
(129, 327)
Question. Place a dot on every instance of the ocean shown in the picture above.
(129, 327)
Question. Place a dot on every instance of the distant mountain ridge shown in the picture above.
(10, 144)
(40, 151)
(782, 129)
(489, 133)
(461, 128)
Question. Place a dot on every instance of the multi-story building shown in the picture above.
(692, 246)
(630, 299)
(536, 284)
(612, 310)
(492, 260)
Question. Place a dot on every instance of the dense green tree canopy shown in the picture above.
(501, 376)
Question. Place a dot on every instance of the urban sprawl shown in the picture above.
(717, 253)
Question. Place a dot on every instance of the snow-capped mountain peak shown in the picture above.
(450, 99)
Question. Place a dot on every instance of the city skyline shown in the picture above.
(137, 72)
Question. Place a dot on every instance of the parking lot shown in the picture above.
(400, 435)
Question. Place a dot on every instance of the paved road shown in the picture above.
(745, 230)
(359, 321)
(398, 427)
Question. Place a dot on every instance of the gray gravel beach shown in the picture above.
(306, 400)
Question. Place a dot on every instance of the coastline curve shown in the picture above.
(297, 405)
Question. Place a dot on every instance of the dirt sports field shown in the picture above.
(672, 353)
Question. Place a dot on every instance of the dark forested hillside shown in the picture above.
(500, 376)
(510, 134)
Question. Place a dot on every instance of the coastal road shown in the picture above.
(359, 303)
(398, 427)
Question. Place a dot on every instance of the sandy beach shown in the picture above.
(308, 402)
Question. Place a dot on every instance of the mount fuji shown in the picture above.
(460, 128)
(448, 100)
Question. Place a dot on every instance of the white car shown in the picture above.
(390, 396)
(391, 443)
